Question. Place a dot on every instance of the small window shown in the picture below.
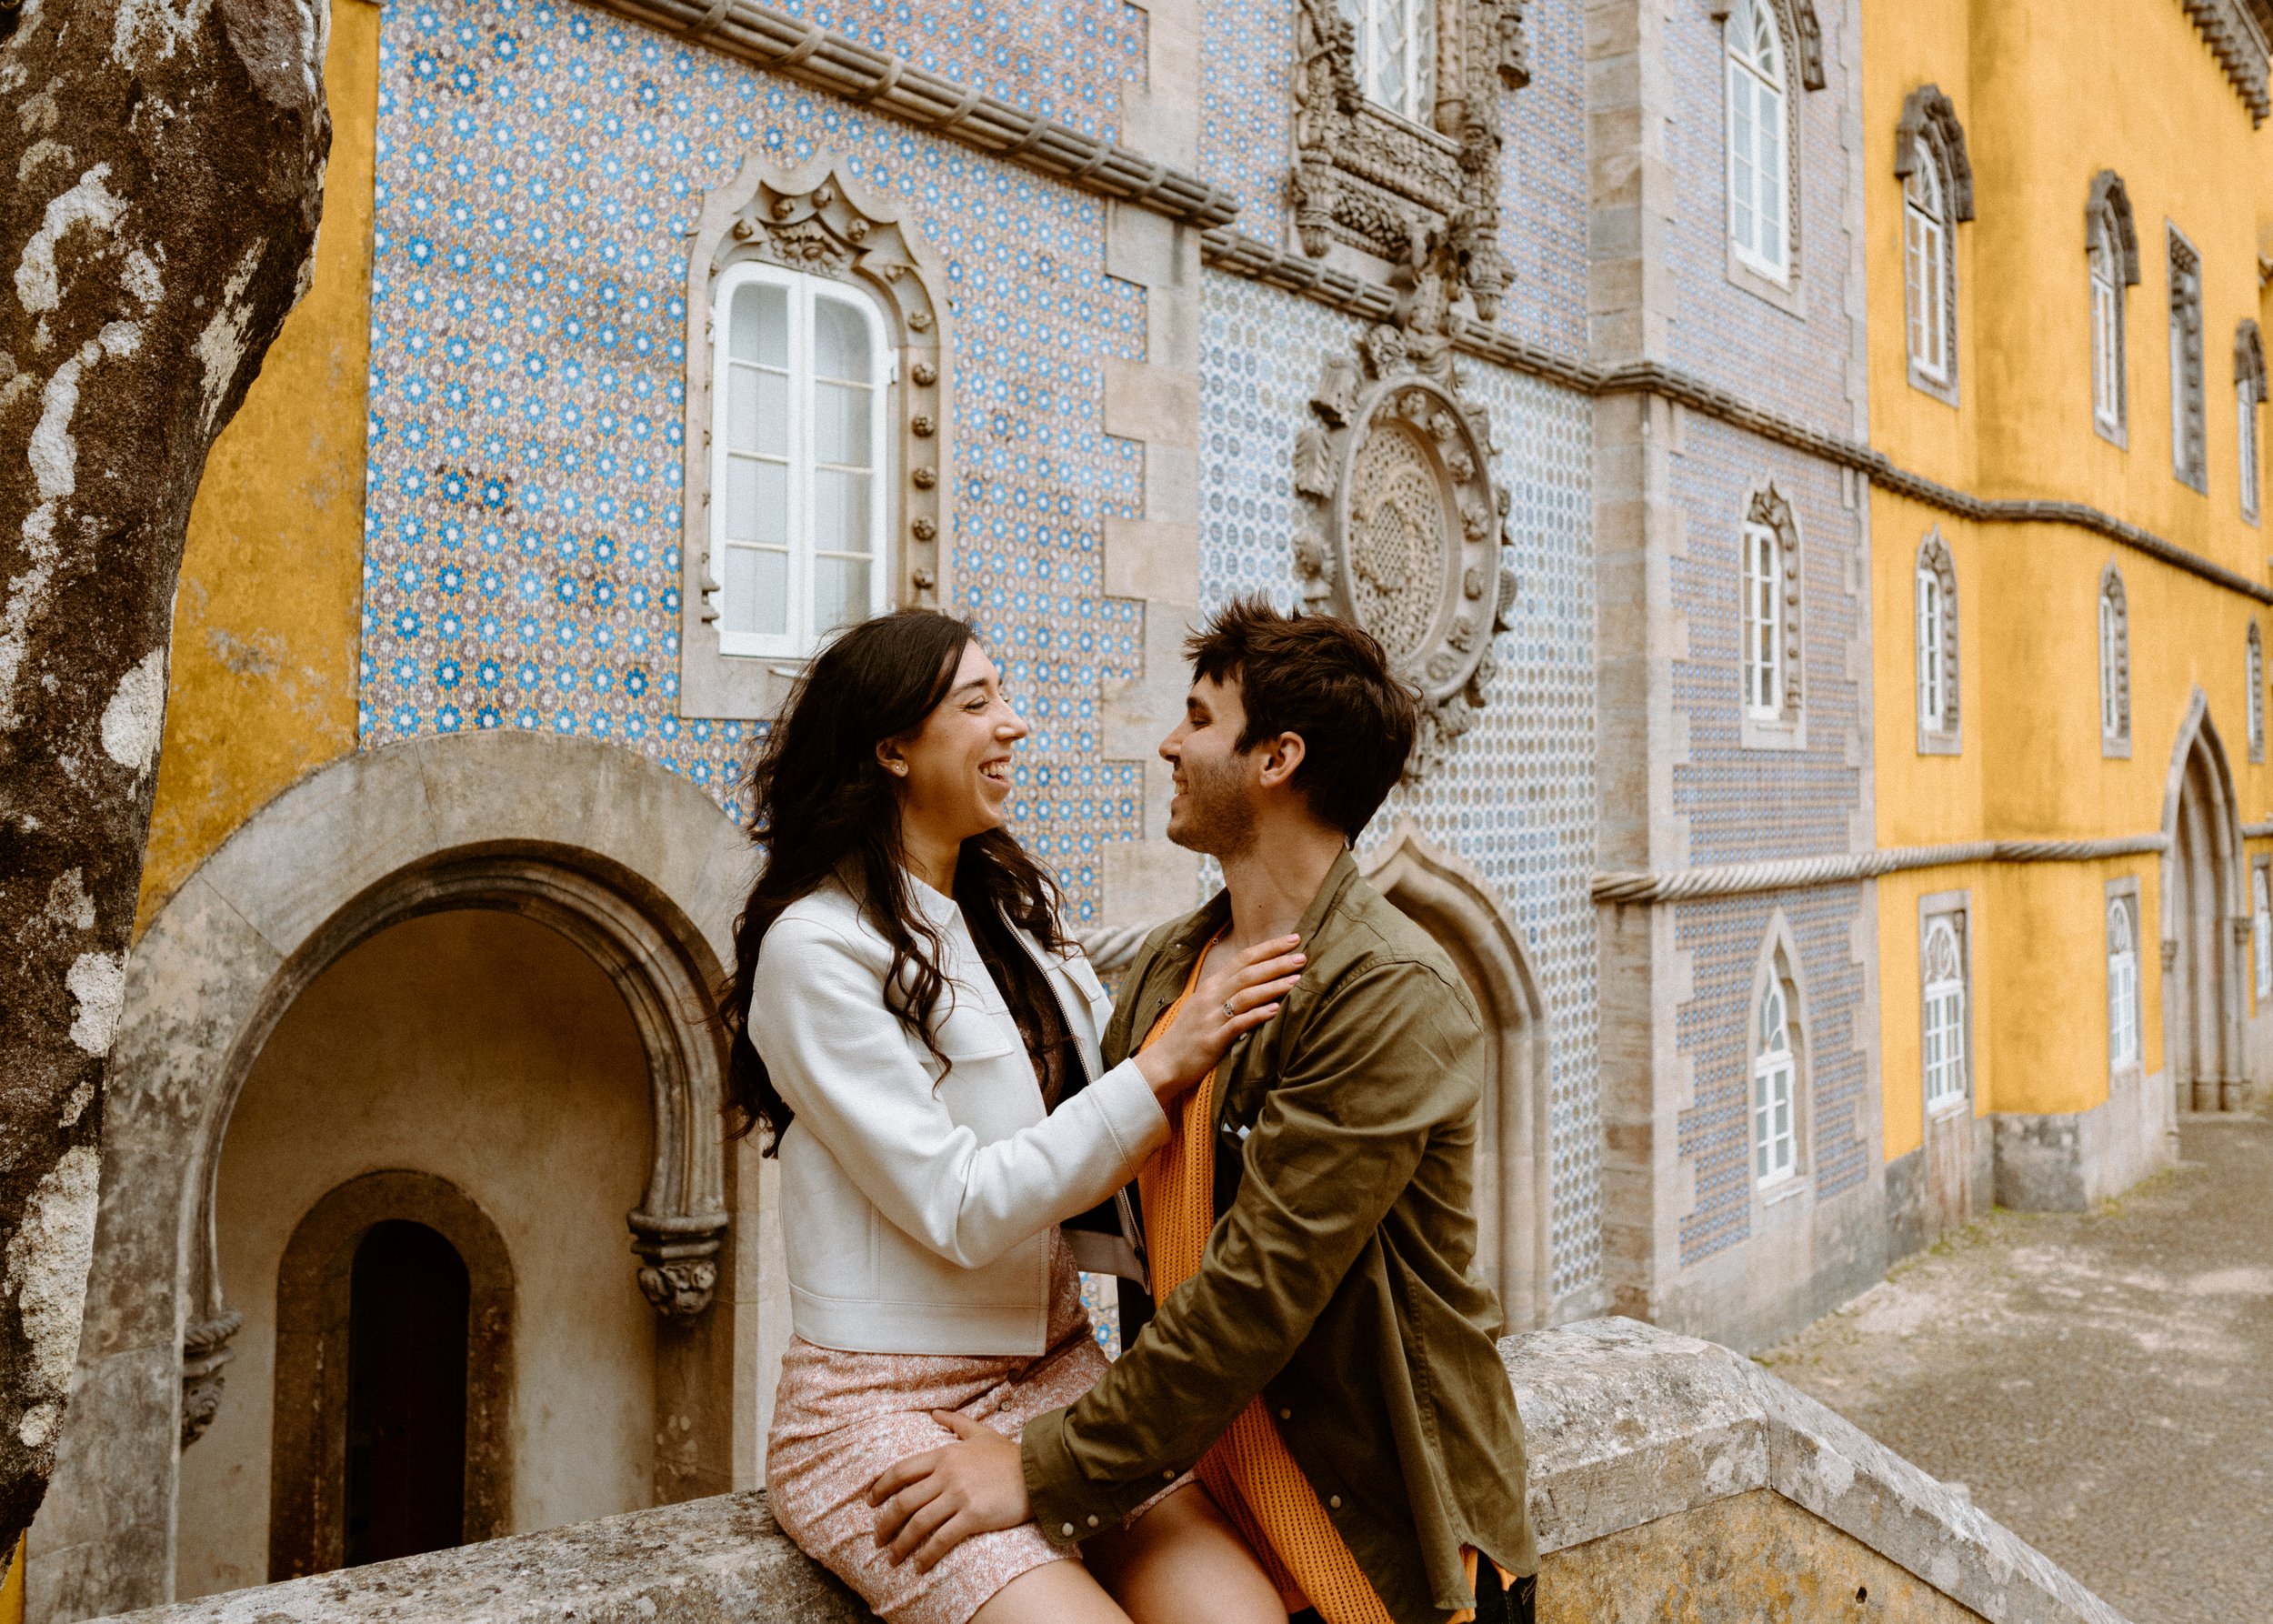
(2111, 248)
(1945, 1029)
(1774, 1135)
(799, 448)
(1763, 622)
(2261, 932)
(2115, 666)
(2190, 447)
(1396, 53)
(2249, 394)
(1936, 592)
(2255, 666)
(2122, 985)
(1926, 271)
(1759, 156)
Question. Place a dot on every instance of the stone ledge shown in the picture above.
(1628, 1425)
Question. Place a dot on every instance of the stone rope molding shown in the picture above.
(842, 65)
(1733, 880)
(2260, 830)
(1234, 252)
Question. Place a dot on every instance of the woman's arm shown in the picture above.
(842, 1061)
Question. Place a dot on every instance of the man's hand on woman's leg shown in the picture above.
(928, 1504)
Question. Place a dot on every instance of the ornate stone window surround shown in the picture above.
(1777, 967)
(1934, 587)
(1929, 155)
(1786, 729)
(818, 220)
(1939, 977)
(2190, 438)
(2111, 260)
(1379, 191)
(2261, 930)
(2249, 394)
(2253, 703)
(2122, 893)
(1800, 40)
(2114, 632)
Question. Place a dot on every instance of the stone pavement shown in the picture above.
(2102, 1383)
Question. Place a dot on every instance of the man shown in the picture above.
(1328, 1366)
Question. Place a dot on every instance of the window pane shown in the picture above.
(840, 342)
(840, 511)
(758, 411)
(840, 592)
(759, 329)
(756, 501)
(840, 424)
(757, 592)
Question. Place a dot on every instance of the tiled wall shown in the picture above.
(1516, 797)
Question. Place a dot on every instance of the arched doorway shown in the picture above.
(409, 1305)
(1450, 901)
(636, 871)
(2205, 925)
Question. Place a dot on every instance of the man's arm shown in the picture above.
(1392, 1053)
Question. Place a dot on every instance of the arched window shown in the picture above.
(2254, 705)
(1929, 157)
(1944, 1029)
(2122, 985)
(2115, 666)
(2189, 442)
(2111, 249)
(1775, 1086)
(1758, 140)
(2261, 931)
(800, 450)
(1935, 621)
(1395, 54)
(2249, 394)
(1768, 622)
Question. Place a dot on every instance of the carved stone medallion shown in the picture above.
(1401, 529)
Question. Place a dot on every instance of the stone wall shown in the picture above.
(1670, 1479)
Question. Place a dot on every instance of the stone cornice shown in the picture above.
(1243, 255)
(1786, 874)
(845, 67)
(2236, 31)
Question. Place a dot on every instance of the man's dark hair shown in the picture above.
(1325, 679)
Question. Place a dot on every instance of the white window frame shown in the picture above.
(2108, 404)
(1944, 1060)
(801, 636)
(2246, 445)
(1374, 28)
(1927, 246)
(1757, 76)
(2261, 930)
(1775, 1089)
(2123, 1008)
(1762, 622)
(2115, 666)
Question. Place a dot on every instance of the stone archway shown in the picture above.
(1449, 900)
(2205, 922)
(637, 867)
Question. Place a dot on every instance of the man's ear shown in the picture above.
(1279, 758)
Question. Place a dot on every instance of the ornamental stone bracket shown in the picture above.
(205, 1349)
(1399, 527)
(678, 1270)
(1367, 179)
(822, 221)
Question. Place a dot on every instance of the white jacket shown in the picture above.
(916, 1211)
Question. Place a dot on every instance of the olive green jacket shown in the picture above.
(1340, 1278)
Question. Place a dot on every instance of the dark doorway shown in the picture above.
(406, 1337)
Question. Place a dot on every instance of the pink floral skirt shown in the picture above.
(840, 1418)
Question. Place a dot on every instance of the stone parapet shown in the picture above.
(1669, 1477)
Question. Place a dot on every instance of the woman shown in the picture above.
(917, 1037)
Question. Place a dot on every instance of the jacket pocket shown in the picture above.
(975, 1026)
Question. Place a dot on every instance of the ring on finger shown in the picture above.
(1228, 1012)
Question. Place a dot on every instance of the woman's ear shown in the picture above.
(888, 756)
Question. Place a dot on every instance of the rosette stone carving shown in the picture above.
(1400, 527)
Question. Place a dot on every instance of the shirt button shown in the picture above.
(1068, 1530)
(1335, 1501)
(1093, 1519)
(1168, 1476)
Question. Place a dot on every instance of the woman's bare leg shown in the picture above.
(1183, 1560)
(1054, 1593)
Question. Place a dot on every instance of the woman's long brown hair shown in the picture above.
(823, 805)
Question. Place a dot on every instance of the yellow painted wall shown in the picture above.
(2048, 97)
(266, 622)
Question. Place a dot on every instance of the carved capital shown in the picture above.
(678, 1272)
(205, 1350)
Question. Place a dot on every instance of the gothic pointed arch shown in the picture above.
(1802, 32)
(2107, 218)
(1778, 1075)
